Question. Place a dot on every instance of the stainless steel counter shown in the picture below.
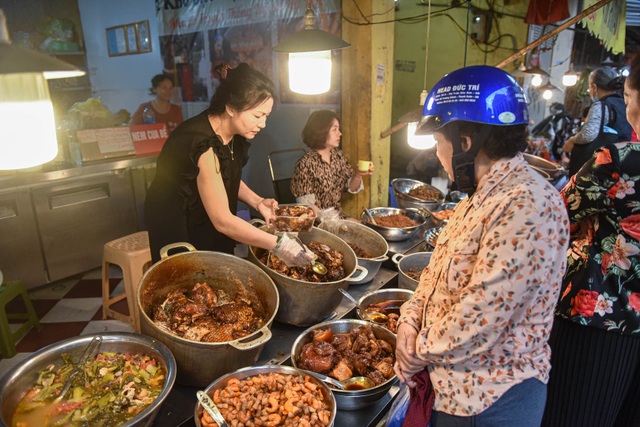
(177, 410)
(52, 172)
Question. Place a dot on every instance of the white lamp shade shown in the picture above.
(420, 142)
(28, 131)
(310, 72)
(569, 79)
(536, 80)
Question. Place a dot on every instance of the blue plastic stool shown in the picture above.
(8, 292)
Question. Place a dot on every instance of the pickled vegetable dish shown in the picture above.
(109, 390)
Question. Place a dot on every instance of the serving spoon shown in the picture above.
(316, 266)
(371, 315)
(368, 214)
(211, 408)
(353, 383)
(88, 352)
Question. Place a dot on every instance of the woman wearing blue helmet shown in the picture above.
(479, 321)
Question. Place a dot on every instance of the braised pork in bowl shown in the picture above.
(346, 348)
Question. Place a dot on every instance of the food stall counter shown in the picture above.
(177, 410)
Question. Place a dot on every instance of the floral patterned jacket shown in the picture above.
(484, 305)
(601, 287)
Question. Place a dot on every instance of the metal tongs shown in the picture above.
(211, 408)
(88, 352)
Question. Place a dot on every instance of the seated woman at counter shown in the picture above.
(478, 324)
(322, 175)
(194, 195)
(163, 110)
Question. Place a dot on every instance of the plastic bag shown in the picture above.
(399, 407)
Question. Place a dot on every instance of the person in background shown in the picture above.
(595, 341)
(606, 121)
(323, 174)
(194, 195)
(163, 109)
(478, 323)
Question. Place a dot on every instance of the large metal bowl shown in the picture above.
(17, 381)
(366, 238)
(304, 303)
(416, 261)
(543, 166)
(382, 295)
(221, 271)
(395, 234)
(252, 371)
(401, 188)
(349, 399)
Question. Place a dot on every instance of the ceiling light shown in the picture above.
(310, 56)
(25, 101)
(570, 78)
(536, 80)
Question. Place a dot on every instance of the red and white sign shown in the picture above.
(149, 139)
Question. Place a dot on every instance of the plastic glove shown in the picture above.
(293, 253)
(331, 220)
(307, 199)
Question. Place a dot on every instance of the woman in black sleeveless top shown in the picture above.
(193, 197)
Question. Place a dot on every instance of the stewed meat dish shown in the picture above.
(294, 218)
(342, 356)
(331, 259)
(395, 221)
(360, 252)
(425, 192)
(210, 315)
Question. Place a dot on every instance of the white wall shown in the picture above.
(120, 81)
(124, 81)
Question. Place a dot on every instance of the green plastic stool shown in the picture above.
(8, 292)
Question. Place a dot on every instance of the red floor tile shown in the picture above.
(41, 306)
(120, 307)
(90, 288)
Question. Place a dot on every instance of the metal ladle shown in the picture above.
(353, 383)
(316, 266)
(368, 214)
(371, 315)
(88, 353)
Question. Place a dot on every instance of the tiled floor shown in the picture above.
(68, 308)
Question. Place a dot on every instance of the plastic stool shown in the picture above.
(8, 292)
(132, 254)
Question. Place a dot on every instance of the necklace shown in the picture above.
(230, 145)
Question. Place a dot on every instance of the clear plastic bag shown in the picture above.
(399, 407)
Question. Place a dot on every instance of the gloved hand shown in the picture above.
(293, 253)
(331, 220)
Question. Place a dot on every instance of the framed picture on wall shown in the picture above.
(116, 41)
(129, 39)
(144, 38)
(132, 38)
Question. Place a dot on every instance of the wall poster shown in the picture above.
(196, 36)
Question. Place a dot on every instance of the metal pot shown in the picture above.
(22, 376)
(381, 295)
(252, 371)
(415, 261)
(349, 399)
(401, 188)
(304, 303)
(369, 240)
(395, 234)
(199, 363)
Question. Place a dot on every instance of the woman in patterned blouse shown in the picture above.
(595, 342)
(480, 318)
(323, 174)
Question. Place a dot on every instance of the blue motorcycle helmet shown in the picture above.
(479, 94)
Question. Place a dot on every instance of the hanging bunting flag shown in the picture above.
(608, 24)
